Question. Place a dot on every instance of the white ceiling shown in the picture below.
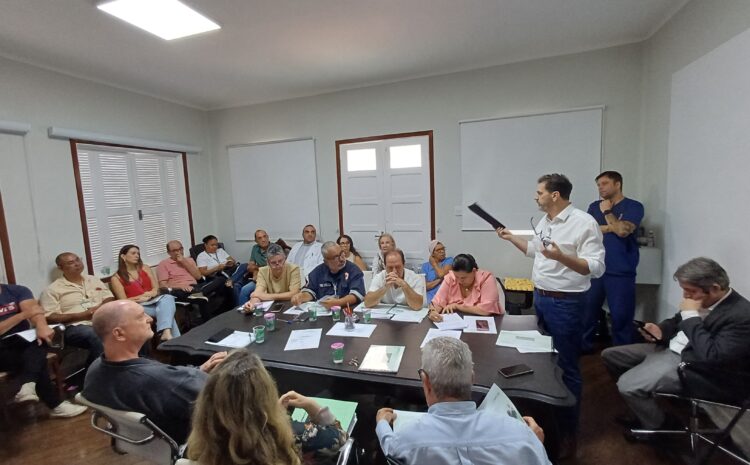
(279, 49)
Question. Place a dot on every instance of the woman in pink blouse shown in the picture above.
(467, 289)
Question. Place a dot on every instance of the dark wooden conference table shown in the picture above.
(543, 385)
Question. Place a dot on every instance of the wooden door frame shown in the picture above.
(79, 191)
(5, 245)
(402, 135)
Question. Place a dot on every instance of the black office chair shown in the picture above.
(200, 247)
(706, 385)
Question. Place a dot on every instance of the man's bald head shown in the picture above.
(111, 315)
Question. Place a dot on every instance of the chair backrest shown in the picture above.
(368, 279)
(501, 294)
(345, 452)
(132, 433)
(200, 247)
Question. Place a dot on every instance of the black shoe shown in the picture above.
(628, 421)
(670, 423)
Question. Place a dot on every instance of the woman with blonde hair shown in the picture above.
(386, 242)
(240, 419)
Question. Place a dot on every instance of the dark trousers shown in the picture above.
(620, 294)
(29, 361)
(83, 336)
(562, 319)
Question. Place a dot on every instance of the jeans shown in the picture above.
(245, 292)
(30, 362)
(620, 294)
(83, 336)
(163, 311)
(561, 318)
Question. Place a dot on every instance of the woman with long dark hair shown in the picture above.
(347, 246)
(135, 281)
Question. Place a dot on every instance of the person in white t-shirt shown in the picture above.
(216, 262)
(396, 284)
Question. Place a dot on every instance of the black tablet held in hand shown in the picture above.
(220, 335)
(482, 213)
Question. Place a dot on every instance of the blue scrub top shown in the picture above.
(431, 275)
(621, 258)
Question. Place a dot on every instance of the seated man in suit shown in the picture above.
(396, 284)
(336, 281)
(453, 430)
(712, 326)
(18, 308)
(72, 300)
(122, 380)
(306, 254)
(179, 276)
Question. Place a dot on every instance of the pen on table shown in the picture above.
(282, 319)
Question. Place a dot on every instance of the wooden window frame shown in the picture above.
(402, 135)
(79, 190)
(5, 245)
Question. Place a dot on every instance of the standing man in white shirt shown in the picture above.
(396, 284)
(306, 254)
(568, 252)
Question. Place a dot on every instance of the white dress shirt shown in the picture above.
(306, 256)
(576, 233)
(396, 295)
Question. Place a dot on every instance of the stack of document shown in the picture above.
(360, 330)
(29, 334)
(394, 312)
(451, 321)
(235, 340)
(525, 341)
(303, 339)
(432, 333)
(344, 411)
(408, 315)
(480, 324)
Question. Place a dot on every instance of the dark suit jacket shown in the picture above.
(718, 349)
(723, 337)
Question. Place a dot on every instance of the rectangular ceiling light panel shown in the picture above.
(168, 19)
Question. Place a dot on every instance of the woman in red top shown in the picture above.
(134, 281)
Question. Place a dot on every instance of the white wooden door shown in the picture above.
(385, 187)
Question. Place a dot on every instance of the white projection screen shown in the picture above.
(709, 165)
(502, 158)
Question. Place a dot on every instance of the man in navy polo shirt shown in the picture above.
(336, 281)
(618, 218)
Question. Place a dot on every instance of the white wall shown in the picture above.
(36, 173)
(611, 77)
(698, 28)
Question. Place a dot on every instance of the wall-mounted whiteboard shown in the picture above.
(502, 158)
(274, 187)
(709, 159)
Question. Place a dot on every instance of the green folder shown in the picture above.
(343, 410)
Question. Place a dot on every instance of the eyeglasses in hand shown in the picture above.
(546, 239)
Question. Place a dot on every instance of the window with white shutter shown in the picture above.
(131, 197)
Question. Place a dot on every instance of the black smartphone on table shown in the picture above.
(515, 370)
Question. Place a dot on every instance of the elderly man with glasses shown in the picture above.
(453, 430)
(278, 280)
(336, 281)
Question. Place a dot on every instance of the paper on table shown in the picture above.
(303, 339)
(451, 321)
(409, 316)
(526, 340)
(265, 305)
(471, 324)
(381, 309)
(235, 340)
(432, 333)
(497, 401)
(404, 419)
(29, 335)
(360, 330)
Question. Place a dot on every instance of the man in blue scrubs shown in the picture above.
(618, 218)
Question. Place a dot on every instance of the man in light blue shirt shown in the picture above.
(453, 431)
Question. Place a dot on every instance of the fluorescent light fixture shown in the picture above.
(168, 19)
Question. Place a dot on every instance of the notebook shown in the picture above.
(382, 359)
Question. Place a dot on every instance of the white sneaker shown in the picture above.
(27, 393)
(67, 410)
